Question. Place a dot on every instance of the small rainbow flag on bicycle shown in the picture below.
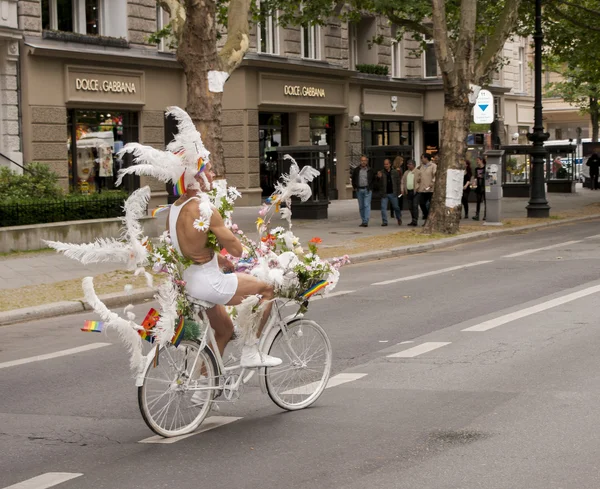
(178, 336)
(92, 326)
(148, 323)
(314, 289)
(179, 187)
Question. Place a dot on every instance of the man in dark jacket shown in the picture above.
(594, 163)
(362, 182)
(389, 189)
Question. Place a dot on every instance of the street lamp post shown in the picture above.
(538, 205)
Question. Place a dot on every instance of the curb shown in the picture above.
(141, 295)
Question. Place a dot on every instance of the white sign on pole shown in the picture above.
(483, 112)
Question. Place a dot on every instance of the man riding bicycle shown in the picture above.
(205, 279)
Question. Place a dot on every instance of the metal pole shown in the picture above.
(538, 205)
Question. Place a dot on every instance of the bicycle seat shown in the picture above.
(199, 302)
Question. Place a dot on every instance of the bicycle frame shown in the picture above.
(275, 323)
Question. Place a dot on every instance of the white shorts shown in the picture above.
(208, 283)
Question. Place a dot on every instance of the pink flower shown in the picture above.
(234, 227)
(263, 211)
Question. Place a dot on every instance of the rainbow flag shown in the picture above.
(179, 187)
(148, 323)
(93, 326)
(159, 209)
(201, 165)
(314, 289)
(178, 336)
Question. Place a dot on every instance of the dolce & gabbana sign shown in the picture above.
(104, 85)
(276, 89)
(303, 91)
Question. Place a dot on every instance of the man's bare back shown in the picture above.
(191, 241)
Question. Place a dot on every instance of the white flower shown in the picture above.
(201, 225)
(298, 250)
(277, 230)
(233, 193)
(228, 223)
(164, 237)
(310, 256)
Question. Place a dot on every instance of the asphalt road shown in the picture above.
(497, 386)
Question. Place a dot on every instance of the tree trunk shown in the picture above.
(595, 116)
(453, 145)
(197, 53)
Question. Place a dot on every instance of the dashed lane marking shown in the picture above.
(528, 311)
(419, 350)
(208, 424)
(56, 354)
(435, 272)
(528, 252)
(334, 381)
(44, 481)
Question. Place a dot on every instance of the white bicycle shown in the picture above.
(176, 395)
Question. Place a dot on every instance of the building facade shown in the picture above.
(91, 82)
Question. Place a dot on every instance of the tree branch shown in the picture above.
(440, 37)
(238, 40)
(501, 33)
(411, 25)
(176, 11)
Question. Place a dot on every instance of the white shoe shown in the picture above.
(252, 358)
(199, 398)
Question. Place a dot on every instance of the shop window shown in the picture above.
(310, 41)
(268, 39)
(94, 139)
(430, 65)
(388, 133)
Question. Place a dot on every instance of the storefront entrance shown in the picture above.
(322, 133)
(273, 132)
(94, 138)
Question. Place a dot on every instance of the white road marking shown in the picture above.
(333, 294)
(384, 341)
(528, 311)
(435, 272)
(209, 424)
(57, 354)
(596, 236)
(49, 479)
(527, 252)
(418, 350)
(406, 342)
(334, 381)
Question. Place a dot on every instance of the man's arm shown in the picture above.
(225, 237)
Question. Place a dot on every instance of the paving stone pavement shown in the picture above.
(342, 225)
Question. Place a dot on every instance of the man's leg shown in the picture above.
(384, 207)
(423, 204)
(396, 207)
(222, 325)
(248, 286)
(360, 194)
(368, 196)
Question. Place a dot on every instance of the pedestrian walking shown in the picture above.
(480, 187)
(389, 189)
(407, 188)
(467, 187)
(594, 163)
(398, 164)
(363, 180)
(425, 181)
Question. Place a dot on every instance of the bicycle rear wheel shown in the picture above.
(173, 399)
(306, 353)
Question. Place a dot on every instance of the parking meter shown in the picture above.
(493, 186)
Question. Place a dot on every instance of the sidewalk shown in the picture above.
(340, 231)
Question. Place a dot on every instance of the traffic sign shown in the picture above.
(483, 112)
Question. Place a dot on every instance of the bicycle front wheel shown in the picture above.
(176, 395)
(306, 353)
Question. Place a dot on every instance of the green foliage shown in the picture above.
(166, 34)
(373, 69)
(36, 182)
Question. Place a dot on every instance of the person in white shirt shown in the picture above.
(408, 189)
